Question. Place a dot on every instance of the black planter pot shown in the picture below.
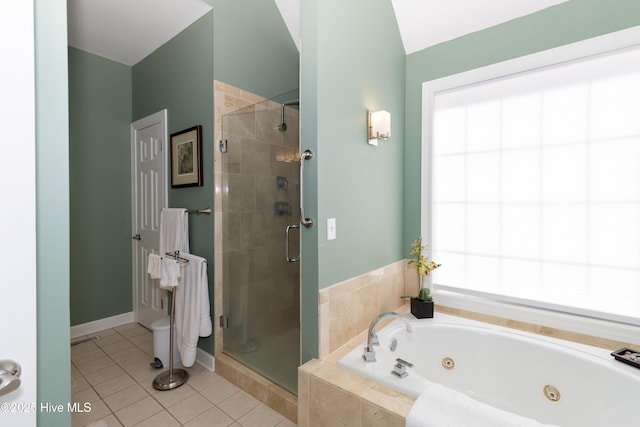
(421, 309)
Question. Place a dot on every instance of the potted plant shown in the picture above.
(422, 304)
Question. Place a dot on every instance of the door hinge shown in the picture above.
(223, 145)
(224, 321)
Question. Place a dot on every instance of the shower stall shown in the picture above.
(261, 238)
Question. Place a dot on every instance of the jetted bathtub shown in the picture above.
(546, 379)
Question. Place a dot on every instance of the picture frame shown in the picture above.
(186, 157)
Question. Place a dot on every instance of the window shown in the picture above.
(534, 174)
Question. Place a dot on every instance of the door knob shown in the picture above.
(137, 237)
(9, 376)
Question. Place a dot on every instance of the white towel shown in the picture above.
(439, 406)
(170, 273)
(154, 266)
(174, 230)
(192, 309)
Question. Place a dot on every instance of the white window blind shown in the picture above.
(536, 187)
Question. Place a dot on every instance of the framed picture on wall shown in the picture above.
(186, 157)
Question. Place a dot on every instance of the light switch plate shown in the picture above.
(331, 228)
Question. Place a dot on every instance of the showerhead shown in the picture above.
(283, 126)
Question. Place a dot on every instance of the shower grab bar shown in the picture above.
(307, 222)
(286, 244)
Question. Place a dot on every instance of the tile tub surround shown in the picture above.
(329, 395)
(347, 308)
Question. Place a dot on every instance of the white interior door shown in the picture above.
(149, 192)
(18, 220)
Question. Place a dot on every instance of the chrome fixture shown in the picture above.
(400, 368)
(205, 211)
(9, 376)
(307, 155)
(369, 354)
(286, 244)
(172, 378)
(379, 125)
(283, 126)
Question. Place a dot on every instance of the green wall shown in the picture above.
(252, 47)
(52, 209)
(556, 26)
(352, 61)
(252, 51)
(178, 76)
(100, 172)
(353, 66)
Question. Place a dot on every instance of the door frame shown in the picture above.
(160, 116)
(18, 256)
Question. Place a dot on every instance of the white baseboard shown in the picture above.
(205, 360)
(101, 324)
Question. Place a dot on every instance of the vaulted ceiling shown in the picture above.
(127, 31)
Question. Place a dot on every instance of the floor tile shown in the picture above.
(79, 383)
(117, 347)
(98, 411)
(103, 375)
(262, 416)
(108, 421)
(126, 397)
(214, 417)
(113, 375)
(114, 385)
(190, 408)
(201, 379)
(134, 414)
(171, 397)
(108, 340)
(161, 419)
(220, 391)
(239, 405)
(86, 395)
(94, 365)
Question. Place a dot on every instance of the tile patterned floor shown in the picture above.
(113, 374)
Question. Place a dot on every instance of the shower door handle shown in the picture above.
(307, 222)
(286, 244)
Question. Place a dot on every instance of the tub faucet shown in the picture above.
(369, 354)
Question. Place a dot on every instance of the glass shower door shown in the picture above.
(261, 289)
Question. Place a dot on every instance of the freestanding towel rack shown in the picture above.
(172, 378)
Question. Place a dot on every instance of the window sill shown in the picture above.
(596, 328)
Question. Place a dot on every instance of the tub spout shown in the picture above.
(369, 354)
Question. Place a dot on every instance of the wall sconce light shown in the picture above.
(379, 126)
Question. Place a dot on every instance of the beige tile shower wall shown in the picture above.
(227, 99)
(272, 151)
(347, 308)
(249, 232)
